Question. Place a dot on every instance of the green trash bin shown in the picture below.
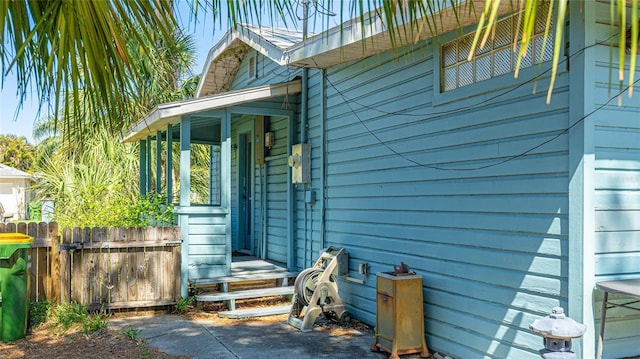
(15, 264)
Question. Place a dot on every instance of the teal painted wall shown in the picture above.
(274, 246)
(268, 72)
(207, 246)
(309, 215)
(616, 192)
(490, 243)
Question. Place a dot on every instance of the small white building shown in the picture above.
(14, 192)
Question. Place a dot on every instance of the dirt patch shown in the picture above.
(41, 343)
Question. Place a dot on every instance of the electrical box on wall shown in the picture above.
(300, 163)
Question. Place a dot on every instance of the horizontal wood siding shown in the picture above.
(207, 246)
(276, 198)
(274, 238)
(268, 72)
(617, 193)
(448, 190)
(309, 215)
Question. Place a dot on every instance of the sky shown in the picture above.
(22, 123)
(204, 33)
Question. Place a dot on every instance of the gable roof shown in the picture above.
(342, 43)
(224, 58)
(10, 172)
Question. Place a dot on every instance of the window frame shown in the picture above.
(493, 83)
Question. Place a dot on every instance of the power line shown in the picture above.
(348, 102)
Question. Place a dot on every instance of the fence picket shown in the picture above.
(117, 271)
(112, 267)
(66, 261)
(55, 282)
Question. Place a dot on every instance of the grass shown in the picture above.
(62, 317)
(131, 333)
(184, 304)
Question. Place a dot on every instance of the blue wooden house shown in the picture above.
(508, 206)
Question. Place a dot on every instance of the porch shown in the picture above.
(248, 201)
(251, 278)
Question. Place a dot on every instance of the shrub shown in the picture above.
(183, 305)
(35, 211)
(38, 313)
(64, 316)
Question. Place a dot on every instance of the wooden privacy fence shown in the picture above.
(103, 267)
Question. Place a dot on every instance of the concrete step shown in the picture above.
(245, 294)
(255, 312)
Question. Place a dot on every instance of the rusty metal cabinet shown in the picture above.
(399, 315)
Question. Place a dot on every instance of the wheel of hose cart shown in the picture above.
(345, 318)
(306, 283)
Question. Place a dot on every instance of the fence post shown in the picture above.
(56, 281)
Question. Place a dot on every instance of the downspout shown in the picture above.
(323, 156)
(304, 106)
(305, 79)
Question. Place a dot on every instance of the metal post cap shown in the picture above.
(558, 325)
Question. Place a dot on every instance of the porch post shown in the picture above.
(158, 162)
(169, 166)
(148, 164)
(225, 183)
(185, 191)
(143, 167)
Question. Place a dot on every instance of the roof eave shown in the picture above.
(166, 114)
(351, 41)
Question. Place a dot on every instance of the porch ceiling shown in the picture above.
(163, 115)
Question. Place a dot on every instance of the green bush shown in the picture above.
(153, 211)
(93, 207)
(38, 312)
(35, 211)
(183, 305)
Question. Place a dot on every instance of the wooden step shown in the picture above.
(255, 312)
(249, 276)
(245, 294)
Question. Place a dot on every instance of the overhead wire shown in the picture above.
(484, 102)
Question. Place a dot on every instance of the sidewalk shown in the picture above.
(212, 339)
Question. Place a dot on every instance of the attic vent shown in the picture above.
(253, 68)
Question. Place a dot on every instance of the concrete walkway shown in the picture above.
(245, 339)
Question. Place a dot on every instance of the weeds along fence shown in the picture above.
(103, 267)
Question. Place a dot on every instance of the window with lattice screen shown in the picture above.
(499, 55)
